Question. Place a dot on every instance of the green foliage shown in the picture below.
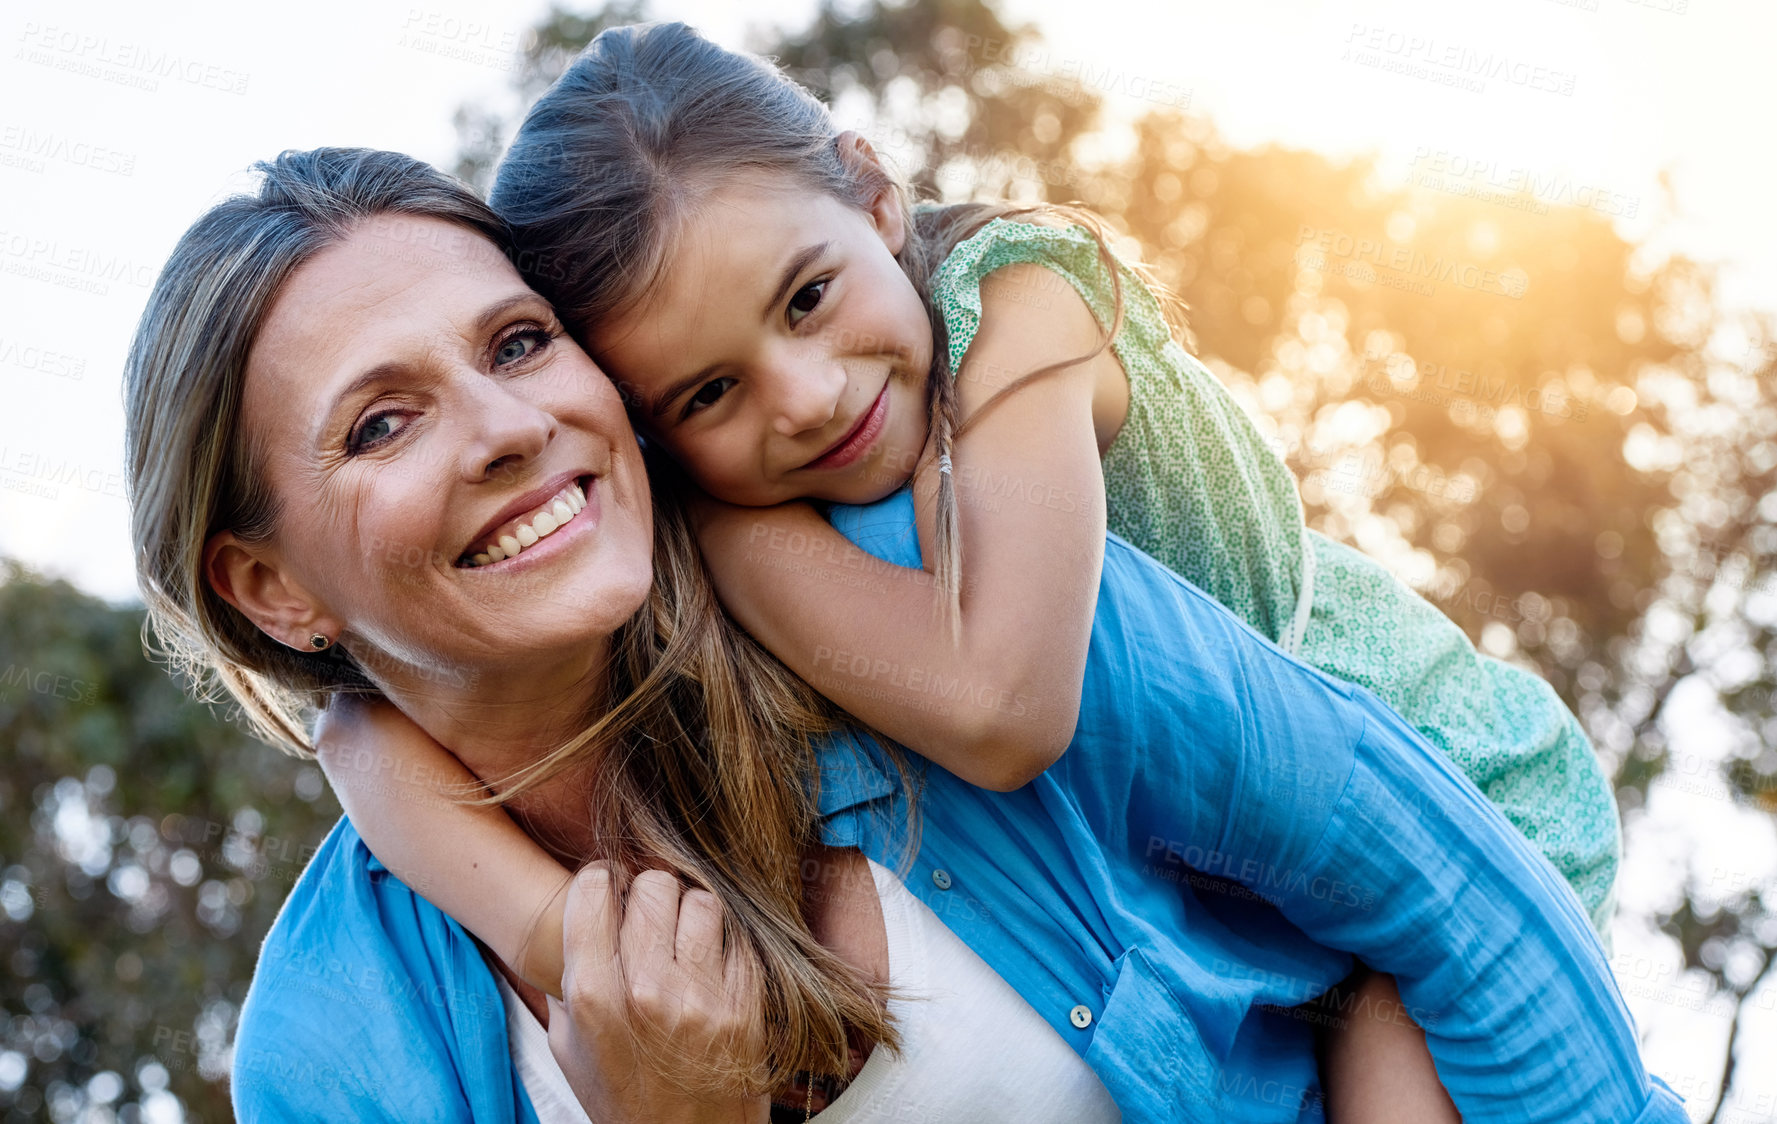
(145, 847)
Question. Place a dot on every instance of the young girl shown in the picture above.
(787, 331)
(1186, 476)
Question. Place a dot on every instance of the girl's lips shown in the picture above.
(858, 441)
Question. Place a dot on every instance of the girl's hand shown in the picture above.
(660, 954)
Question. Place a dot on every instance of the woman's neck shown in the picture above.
(497, 722)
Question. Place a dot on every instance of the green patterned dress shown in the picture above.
(1191, 481)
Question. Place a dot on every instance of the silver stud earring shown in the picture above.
(319, 643)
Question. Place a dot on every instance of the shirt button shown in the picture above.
(1080, 1016)
(941, 879)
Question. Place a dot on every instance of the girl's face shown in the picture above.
(783, 354)
(413, 405)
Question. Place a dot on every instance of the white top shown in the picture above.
(971, 1047)
(537, 1068)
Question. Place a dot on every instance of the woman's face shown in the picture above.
(418, 413)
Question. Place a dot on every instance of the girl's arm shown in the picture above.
(1000, 706)
(396, 784)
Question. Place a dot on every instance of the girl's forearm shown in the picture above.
(404, 794)
(996, 701)
(871, 636)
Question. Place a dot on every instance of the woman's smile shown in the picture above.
(511, 537)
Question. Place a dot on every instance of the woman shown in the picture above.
(276, 514)
(264, 537)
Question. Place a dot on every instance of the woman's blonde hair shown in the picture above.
(651, 117)
(702, 752)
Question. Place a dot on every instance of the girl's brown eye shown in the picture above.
(806, 300)
(708, 394)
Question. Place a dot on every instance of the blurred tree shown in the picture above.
(145, 847)
(551, 45)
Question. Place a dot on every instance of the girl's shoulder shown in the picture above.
(1075, 260)
(1036, 239)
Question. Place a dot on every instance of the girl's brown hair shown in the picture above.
(703, 748)
(649, 119)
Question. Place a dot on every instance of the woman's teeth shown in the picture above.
(528, 530)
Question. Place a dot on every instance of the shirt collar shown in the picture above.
(853, 772)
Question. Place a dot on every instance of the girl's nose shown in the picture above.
(805, 394)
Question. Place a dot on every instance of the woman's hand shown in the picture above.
(660, 954)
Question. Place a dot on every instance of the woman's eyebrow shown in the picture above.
(489, 316)
(500, 309)
(357, 386)
(792, 270)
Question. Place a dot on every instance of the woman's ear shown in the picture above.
(886, 212)
(247, 576)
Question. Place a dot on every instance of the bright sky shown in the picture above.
(99, 175)
(120, 122)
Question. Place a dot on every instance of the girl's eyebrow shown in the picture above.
(803, 258)
(672, 393)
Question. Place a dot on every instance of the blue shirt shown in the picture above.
(1153, 896)
(1220, 804)
(370, 1004)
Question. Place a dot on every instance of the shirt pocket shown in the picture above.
(1147, 1050)
(1150, 1052)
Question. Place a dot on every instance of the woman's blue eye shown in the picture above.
(520, 346)
(379, 428)
(806, 300)
(707, 394)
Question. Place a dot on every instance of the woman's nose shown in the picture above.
(505, 430)
(804, 394)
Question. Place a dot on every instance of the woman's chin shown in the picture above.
(577, 591)
(565, 596)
